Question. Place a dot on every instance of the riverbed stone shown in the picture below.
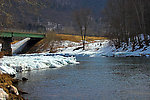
(1, 72)
(24, 79)
(14, 90)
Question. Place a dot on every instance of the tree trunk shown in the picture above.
(139, 42)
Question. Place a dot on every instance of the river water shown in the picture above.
(99, 78)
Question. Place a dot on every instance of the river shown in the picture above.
(97, 78)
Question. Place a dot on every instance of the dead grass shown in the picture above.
(14, 42)
(76, 38)
(47, 43)
(1, 54)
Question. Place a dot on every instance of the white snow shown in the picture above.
(64, 56)
(104, 48)
(19, 63)
(90, 49)
(26, 62)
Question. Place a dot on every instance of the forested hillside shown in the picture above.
(31, 14)
(58, 9)
(128, 22)
(14, 13)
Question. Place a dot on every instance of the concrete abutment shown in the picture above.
(6, 46)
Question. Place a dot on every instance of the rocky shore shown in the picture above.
(8, 89)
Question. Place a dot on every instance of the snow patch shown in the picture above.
(91, 47)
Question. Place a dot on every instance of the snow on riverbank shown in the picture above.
(19, 63)
(103, 48)
(64, 56)
(91, 47)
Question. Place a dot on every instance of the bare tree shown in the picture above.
(127, 20)
(82, 18)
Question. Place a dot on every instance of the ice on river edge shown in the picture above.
(19, 63)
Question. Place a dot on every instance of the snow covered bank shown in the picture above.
(145, 52)
(64, 56)
(90, 48)
(109, 50)
(103, 48)
(14, 64)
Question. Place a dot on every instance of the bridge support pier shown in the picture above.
(6, 46)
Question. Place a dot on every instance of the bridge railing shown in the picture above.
(24, 34)
(21, 31)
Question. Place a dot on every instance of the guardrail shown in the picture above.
(26, 35)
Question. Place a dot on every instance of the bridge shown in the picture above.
(6, 38)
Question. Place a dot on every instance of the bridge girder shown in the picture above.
(7, 39)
